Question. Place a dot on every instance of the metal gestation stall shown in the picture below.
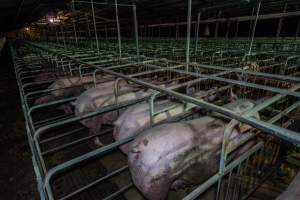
(67, 168)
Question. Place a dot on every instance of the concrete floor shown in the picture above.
(17, 179)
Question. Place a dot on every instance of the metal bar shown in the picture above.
(136, 34)
(95, 27)
(298, 29)
(217, 24)
(88, 25)
(241, 19)
(212, 180)
(254, 27)
(106, 177)
(237, 28)
(251, 23)
(75, 32)
(188, 36)
(197, 32)
(279, 27)
(118, 29)
(63, 36)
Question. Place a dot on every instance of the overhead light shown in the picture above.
(53, 20)
(27, 29)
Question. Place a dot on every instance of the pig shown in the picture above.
(137, 118)
(101, 96)
(45, 76)
(175, 155)
(96, 98)
(293, 191)
(70, 87)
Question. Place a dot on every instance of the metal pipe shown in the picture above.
(254, 27)
(279, 27)
(136, 34)
(197, 33)
(212, 180)
(95, 27)
(251, 23)
(75, 33)
(298, 29)
(63, 36)
(118, 29)
(188, 36)
(88, 25)
(237, 28)
(217, 24)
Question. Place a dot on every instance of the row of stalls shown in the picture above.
(157, 117)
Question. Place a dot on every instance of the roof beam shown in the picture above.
(240, 19)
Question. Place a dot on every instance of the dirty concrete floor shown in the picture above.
(17, 179)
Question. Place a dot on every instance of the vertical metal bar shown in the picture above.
(228, 27)
(217, 25)
(136, 34)
(159, 29)
(298, 29)
(118, 29)
(75, 33)
(251, 23)
(177, 29)
(279, 27)
(95, 27)
(63, 36)
(188, 36)
(56, 36)
(254, 27)
(88, 25)
(237, 29)
(197, 32)
(106, 34)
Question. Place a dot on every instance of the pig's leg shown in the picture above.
(97, 142)
(44, 99)
(67, 108)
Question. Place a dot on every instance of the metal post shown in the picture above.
(95, 28)
(280, 22)
(254, 27)
(298, 29)
(63, 36)
(106, 34)
(136, 34)
(251, 23)
(228, 27)
(237, 28)
(88, 25)
(197, 31)
(177, 29)
(152, 32)
(188, 36)
(217, 25)
(56, 36)
(118, 29)
(75, 33)
(159, 30)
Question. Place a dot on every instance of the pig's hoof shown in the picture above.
(97, 142)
